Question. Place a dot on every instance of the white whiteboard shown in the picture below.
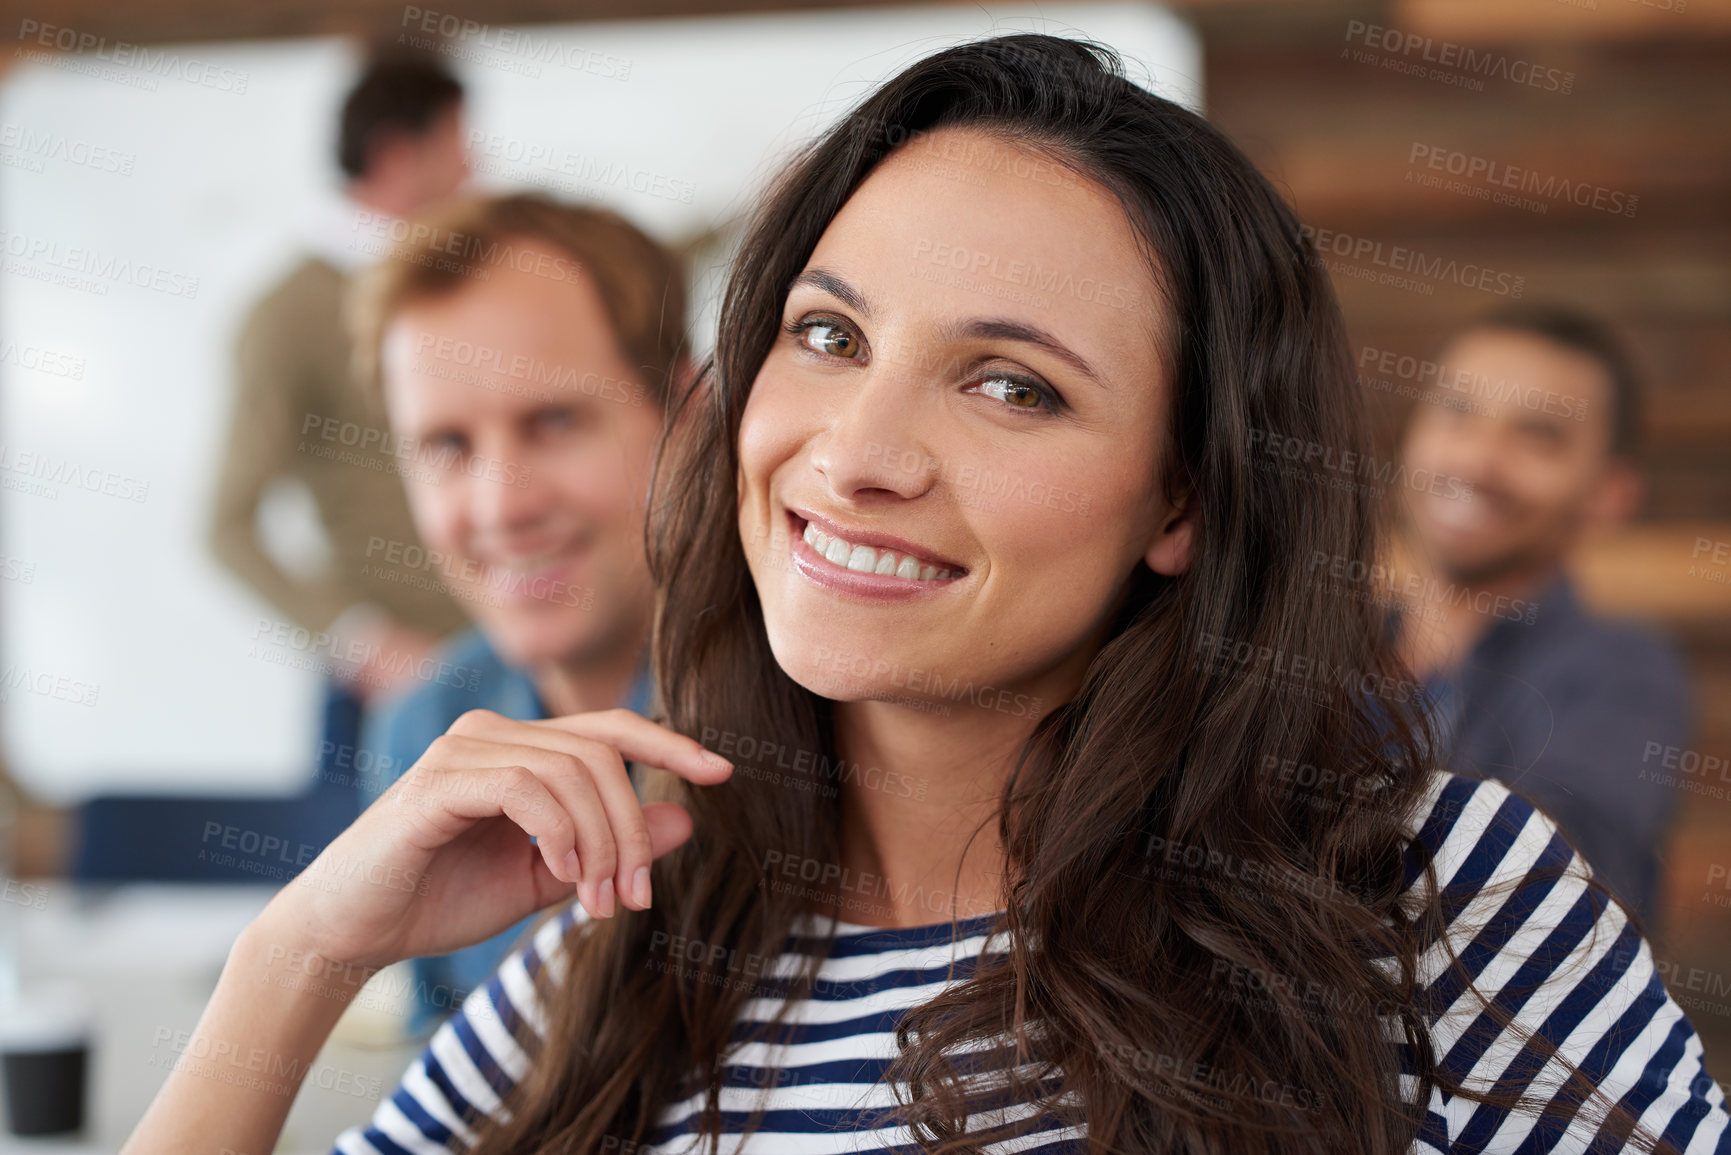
(172, 186)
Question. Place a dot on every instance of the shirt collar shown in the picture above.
(639, 699)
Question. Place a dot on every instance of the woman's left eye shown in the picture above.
(823, 337)
(1018, 394)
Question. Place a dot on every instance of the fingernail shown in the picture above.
(571, 867)
(604, 898)
(716, 760)
(640, 888)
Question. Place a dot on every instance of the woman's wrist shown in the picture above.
(281, 950)
(236, 1074)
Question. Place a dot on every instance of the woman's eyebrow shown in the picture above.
(835, 287)
(985, 328)
(1003, 329)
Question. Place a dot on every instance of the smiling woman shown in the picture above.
(1009, 262)
(874, 361)
(1159, 938)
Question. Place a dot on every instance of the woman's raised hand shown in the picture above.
(444, 858)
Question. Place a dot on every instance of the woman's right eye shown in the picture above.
(828, 337)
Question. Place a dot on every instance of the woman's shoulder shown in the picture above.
(1532, 960)
(476, 1056)
(1509, 889)
(1477, 833)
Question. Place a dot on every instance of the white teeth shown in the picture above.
(865, 559)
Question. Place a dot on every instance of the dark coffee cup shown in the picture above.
(44, 1063)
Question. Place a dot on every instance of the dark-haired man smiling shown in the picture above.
(1540, 420)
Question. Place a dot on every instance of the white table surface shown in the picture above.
(146, 958)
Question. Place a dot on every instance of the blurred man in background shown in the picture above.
(1536, 413)
(298, 416)
(524, 350)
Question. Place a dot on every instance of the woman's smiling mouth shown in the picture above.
(864, 562)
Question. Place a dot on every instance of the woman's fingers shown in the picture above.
(474, 793)
(589, 861)
(457, 820)
(629, 856)
(594, 790)
(582, 768)
(632, 735)
(613, 867)
(669, 827)
(640, 740)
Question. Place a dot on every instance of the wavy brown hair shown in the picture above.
(1165, 748)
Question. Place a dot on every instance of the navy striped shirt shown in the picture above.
(1564, 964)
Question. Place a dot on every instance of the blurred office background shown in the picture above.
(195, 139)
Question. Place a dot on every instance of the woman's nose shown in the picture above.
(880, 438)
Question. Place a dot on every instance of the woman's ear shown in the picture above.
(1169, 552)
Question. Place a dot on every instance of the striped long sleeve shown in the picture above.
(1557, 962)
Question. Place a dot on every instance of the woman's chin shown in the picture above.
(808, 665)
(827, 674)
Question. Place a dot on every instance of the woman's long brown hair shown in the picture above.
(1153, 856)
